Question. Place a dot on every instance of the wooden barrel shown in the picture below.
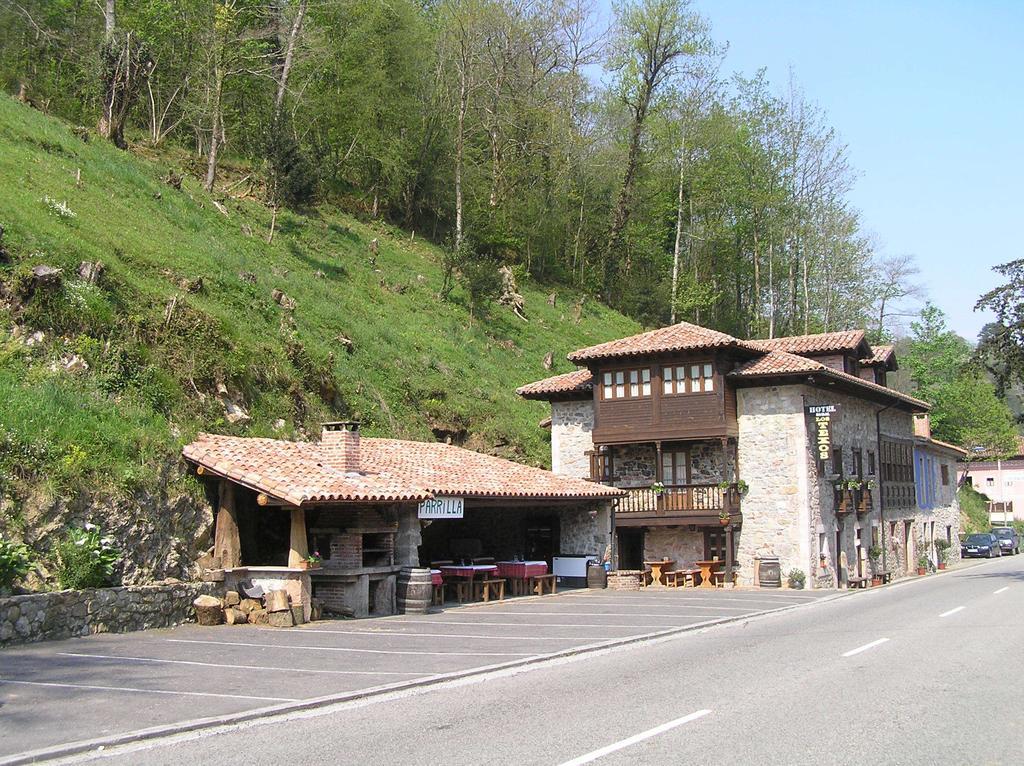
(597, 577)
(769, 572)
(414, 590)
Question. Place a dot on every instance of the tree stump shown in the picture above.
(281, 619)
(234, 616)
(209, 610)
(277, 601)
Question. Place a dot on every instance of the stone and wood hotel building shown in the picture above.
(745, 450)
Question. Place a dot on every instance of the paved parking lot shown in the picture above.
(61, 692)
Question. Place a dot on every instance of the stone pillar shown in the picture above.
(227, 545)
(408, 538)
(299, 547)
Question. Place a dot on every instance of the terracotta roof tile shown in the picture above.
(567, 384)
(880, 355)
(821, 343)
(678, 337)
(395, 471)
(777, 363)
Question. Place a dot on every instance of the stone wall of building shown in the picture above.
(70, 613)
(710, 463)
(676, 543)
(572, 426)
(586, 530)
(773, 450)
(790, 509)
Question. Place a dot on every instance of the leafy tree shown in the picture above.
(1001, 344)
(966, 409)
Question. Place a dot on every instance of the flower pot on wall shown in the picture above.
(922, 571)
(942, 565)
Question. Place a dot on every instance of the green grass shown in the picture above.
(974, 509)
(420, 366)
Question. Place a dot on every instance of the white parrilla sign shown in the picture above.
(442, 508)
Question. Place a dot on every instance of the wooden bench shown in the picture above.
(492, 587)
(682, 578)
(540, 583)
(463, 591)
(856, 582)
(885, 576)
(438, 595)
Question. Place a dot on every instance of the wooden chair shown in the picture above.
(540, 583)
(437, 598)
(491, 587)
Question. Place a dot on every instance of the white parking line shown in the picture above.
(145, 691)
(306, 647)
(1004, 588)
(744, 612)
(952, 611)
(595, 754)
(525, 624)
(864, 648)
(437, 635)
(556, 609)
(237, 667)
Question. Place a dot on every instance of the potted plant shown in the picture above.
(312, 561)
(796, 579)
(723, 517)
(942, 547)
(922, 562)
(875, 556)
(658, 488)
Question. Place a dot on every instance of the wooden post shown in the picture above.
(299, 548)
(227, 544)
(728, 580)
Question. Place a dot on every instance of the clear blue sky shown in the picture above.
(930, 99)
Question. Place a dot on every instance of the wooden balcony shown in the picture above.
(700, 504)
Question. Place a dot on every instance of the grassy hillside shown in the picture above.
(162, 349)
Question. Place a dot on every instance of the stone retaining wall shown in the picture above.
(70, 613)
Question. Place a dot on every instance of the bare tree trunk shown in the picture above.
(756, 303)
(216, 132)
(109, 20)
(771, 289)
(460, 140)
(289, 57)
(679, 233)
(807, 293)
(620, 216)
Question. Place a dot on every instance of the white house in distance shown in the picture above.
(1002, 481)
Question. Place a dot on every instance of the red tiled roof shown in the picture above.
(778, 363)
(678, 337)
(821, 343)
(395, 471)
(575, 382)
(881, 356)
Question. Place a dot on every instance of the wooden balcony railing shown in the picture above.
(695, 499)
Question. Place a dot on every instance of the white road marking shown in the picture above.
(437, 635)
(146, 691)
(864, 648)
(667, 607)
(237, 667)
(293, 647)
(1004, 588)
(743, 613)
(527, 624)
(952, 611)
(621, 744)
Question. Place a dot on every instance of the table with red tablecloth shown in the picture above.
(518, 573)
(436, 577)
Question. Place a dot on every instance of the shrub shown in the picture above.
(796, 578)
(14, 563)
(86, 559)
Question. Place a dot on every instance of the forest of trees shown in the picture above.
(623, 161)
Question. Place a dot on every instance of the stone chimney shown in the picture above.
(339, 445)
(923, 425)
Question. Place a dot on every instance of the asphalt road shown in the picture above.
(929, 672)
(56, 693)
